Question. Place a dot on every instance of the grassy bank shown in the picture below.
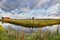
(11, 34)
(35, 23)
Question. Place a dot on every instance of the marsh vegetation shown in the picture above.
(34, 23)
(11, 34)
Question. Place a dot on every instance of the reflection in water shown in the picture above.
(20, 28)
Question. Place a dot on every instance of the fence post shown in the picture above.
(23, 35)
(17, 36)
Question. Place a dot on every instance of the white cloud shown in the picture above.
(39, 3)
(54, 9)
(24, 5)
(27, 9)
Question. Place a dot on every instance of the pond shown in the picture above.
(29, 30)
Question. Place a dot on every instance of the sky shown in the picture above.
(24, 9)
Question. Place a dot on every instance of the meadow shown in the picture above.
(10, 34)
(34, 23)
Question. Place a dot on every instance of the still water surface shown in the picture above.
(20, 28)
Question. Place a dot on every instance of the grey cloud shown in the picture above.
(9, 5)
(0, 0)
(39, 3)
(31, 4)
(53, 2)
(24, 5)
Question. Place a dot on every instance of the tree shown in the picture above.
(2, 17)
(32, 17)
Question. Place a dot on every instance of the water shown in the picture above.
(20, 28)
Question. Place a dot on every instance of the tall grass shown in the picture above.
(34, 23)
(10, 34)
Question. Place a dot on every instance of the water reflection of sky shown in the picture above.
(20, 28)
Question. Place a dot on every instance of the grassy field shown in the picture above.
(34, 23)
(10, 34)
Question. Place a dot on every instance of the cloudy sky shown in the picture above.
(22, 9)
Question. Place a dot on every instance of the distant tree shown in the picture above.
(2, 17)
(32, 17)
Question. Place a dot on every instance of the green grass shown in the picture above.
(35, 23)
(4, 35)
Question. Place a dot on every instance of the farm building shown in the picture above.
(6, 18)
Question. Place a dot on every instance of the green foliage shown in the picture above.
(46, 36)
(34, 23)
(34, 36)
(4, 35)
